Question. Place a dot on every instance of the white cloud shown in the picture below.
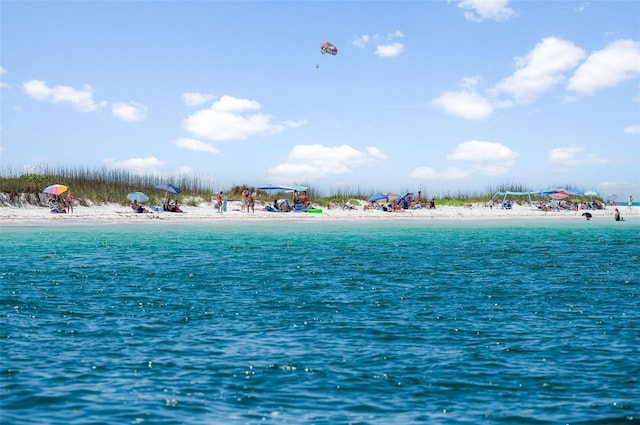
(361, 40)
(464, 104)
(318, 161)
(451, 173)
(581, 7)
(541, 69)
(147, 165)
(81, 99)
(389, 50)
(480, 10)
(375, 153)
(194, 99)
(617, 62)
(229, 119)
(195, 145)
(3, 85)
(476, 150)
(632, 129)
(131, 111)
(486, 158)
(387, 46)
(565, 155)
(566, 158)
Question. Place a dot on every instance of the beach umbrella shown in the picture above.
(377, 197)
(137, 196)
(168, 187)
(559, 195)
(55, 189)
(591, 193)
(271, 187)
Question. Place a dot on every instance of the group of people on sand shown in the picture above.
(171, 205)
(407, 202)
(60, 205)
(300, 202)
(247, 202)
(301, 198)
(279, 205)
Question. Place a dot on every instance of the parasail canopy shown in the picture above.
(326, 47)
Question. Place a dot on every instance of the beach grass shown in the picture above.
(105, 185)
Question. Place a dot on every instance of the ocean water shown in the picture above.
(523, 322)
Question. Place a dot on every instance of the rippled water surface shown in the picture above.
(320, 323)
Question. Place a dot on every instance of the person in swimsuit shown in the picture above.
(220, 202)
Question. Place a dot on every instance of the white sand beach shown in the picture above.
(207, 212)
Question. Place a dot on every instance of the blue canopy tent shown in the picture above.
(285, 189)
(507, 205)
(275, 188)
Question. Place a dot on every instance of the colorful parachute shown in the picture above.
(326, 47)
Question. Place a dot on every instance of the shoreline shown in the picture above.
(205, 212)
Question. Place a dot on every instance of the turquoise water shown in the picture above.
(321, 323)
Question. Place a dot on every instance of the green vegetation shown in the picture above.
(101, 186)
(107, 185)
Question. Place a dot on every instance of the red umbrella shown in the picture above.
(559, 195)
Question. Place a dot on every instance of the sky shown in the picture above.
(446, 97)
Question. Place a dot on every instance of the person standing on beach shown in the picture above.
(220, 202)
(69, 202)
(250, 202)
(630, 204)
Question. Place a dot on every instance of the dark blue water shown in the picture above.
(320, 323)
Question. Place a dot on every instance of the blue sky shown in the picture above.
(443, 96)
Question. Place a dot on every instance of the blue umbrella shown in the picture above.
(377, 197)
(137, 196)
(403, 197)
(168, 187)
